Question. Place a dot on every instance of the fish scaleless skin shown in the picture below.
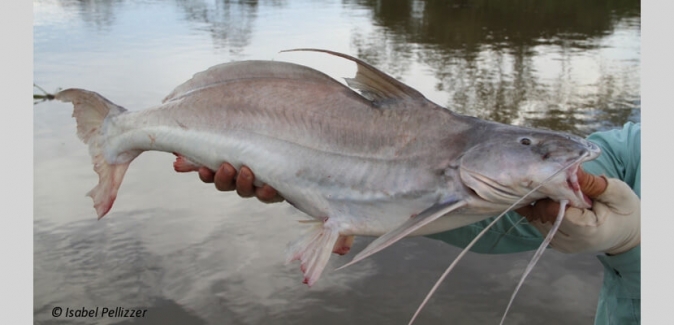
(302, 138)
(359, 164)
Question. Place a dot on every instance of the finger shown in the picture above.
(224, 178)
(591, 185)
(544, 210)
(543, 228)
(547, 210)
(578, 223)
(206, 175)
(527, 212)
(268, 194)
(244, 182)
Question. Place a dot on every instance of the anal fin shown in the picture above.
(425, 217)
(313, 250)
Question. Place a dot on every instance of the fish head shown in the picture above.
(514, 162)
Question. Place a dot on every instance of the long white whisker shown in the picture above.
(451, 266)
(470, 245)
(507, 232)
(542, 247)
(538, 254)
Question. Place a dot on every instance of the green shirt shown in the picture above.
(620, 296)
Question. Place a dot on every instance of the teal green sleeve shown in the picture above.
(620, 298)
(620, 295)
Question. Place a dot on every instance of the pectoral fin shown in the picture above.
(425, 217)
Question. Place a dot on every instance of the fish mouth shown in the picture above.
(487, 189)
(573, 184)
(578, 199)
(564, 186)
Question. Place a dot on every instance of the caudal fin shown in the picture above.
(90, 110)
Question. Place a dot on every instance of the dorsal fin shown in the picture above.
(239, 70)
(374, 84)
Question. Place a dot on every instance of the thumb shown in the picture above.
(593, 186)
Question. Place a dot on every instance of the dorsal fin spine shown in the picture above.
(375, 84)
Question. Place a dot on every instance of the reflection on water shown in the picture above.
(99, 15)
(191, 255)
(230, 23)
(517, 64)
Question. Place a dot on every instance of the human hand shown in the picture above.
(611, 225)
(226, 179)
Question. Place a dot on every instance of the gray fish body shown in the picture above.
(361, 164)
(321, 145)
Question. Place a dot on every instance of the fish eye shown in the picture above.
(525, 141)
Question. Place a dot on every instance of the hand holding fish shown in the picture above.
(546, 210)
(611, 225)
(227, 179)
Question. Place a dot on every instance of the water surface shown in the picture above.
(192, 255)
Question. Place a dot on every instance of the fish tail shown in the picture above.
(313, 250)
(90, 112)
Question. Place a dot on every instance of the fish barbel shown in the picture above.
(375, 158)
